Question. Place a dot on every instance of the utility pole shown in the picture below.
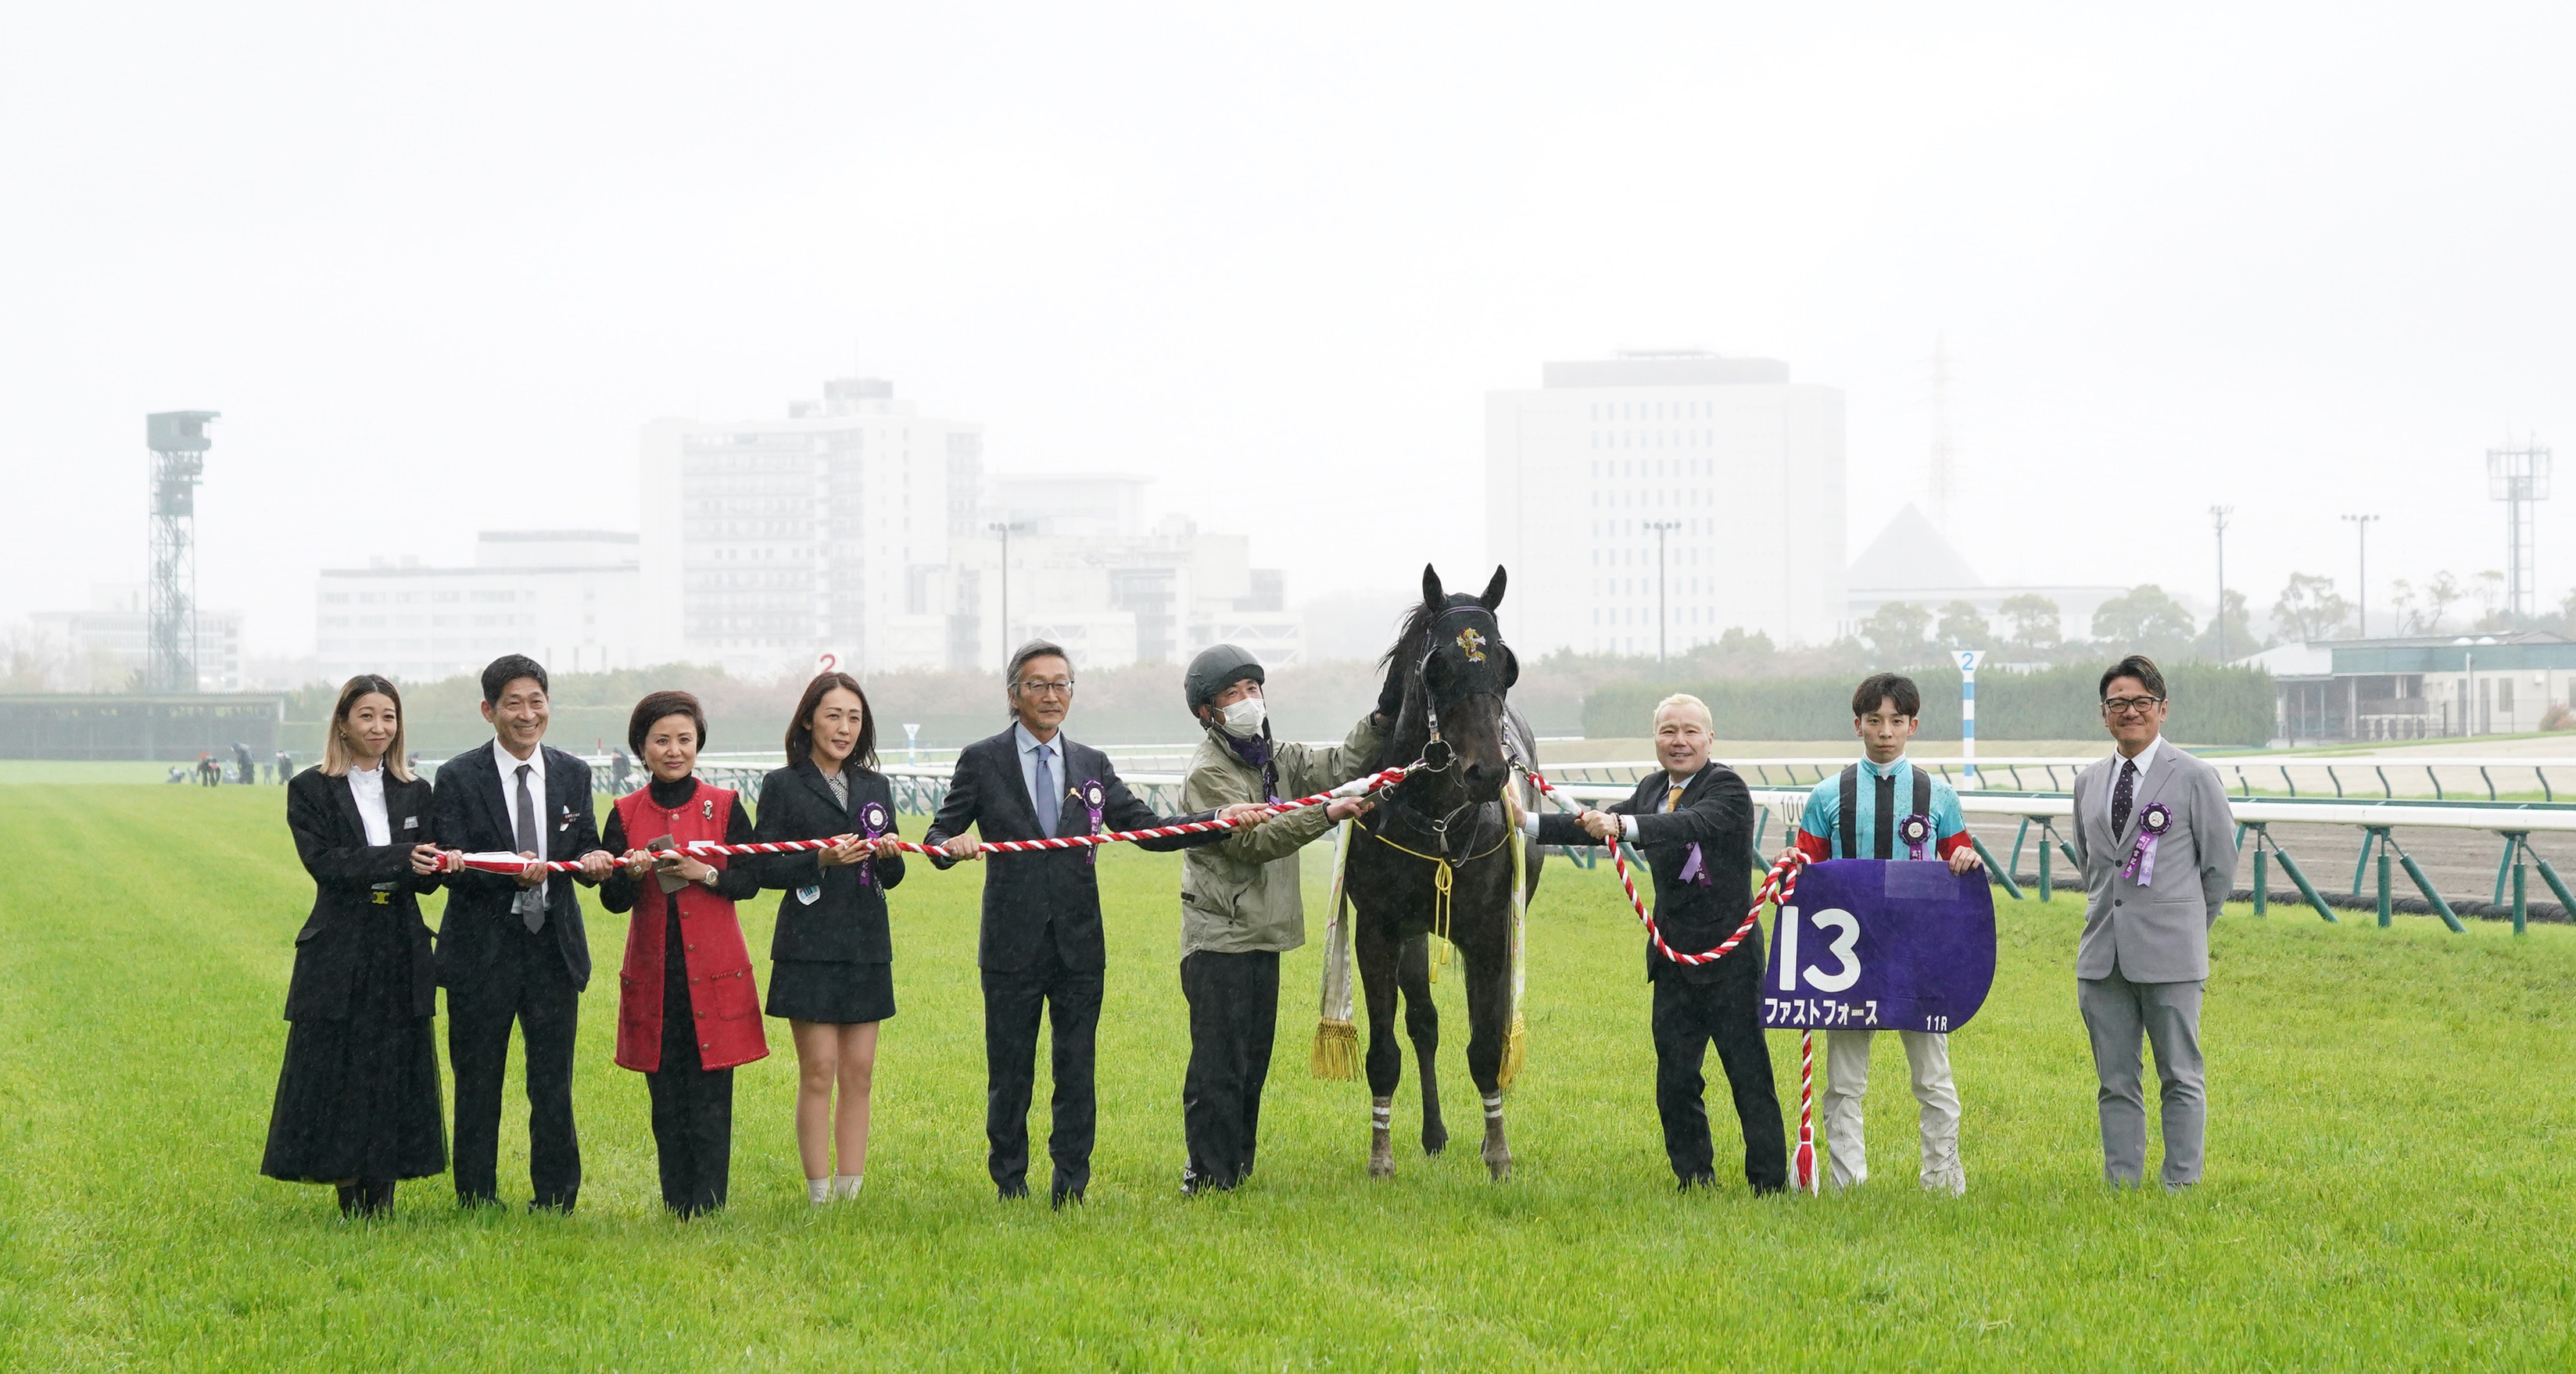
(1007, 528)
(1661, 528)
(2218, 516)
(2361, 526)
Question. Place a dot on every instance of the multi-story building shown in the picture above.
(859, 528)
(570, 598)
(1745, 466)
(828, 532)
(109, 640)
(1085, 573)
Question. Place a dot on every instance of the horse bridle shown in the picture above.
(1437, 755)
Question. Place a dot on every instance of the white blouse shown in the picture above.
(368, 786)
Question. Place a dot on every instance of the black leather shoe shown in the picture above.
(470, 1201)
(1708, 1181)
(1014, 1192)
(1061, 1196)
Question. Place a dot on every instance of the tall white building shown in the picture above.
(830, 531)
(568, 598)
(1746, 465)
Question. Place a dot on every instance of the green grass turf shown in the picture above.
(15, 772)
(2389, 1169)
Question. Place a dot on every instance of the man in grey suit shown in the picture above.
(2157, 844)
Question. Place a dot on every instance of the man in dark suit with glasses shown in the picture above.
(1041, 947)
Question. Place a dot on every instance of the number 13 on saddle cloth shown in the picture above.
(1881, 944)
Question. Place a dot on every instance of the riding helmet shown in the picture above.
(1218, 667)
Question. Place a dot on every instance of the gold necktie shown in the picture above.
(1673, 800)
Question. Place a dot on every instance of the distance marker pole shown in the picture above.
(1968, 660)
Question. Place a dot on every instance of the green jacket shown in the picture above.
(1242, 895)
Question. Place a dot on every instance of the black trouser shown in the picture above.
(1011, 1002)
(692, 1107)
(1690, 1016)
(1234, 1017)
(526, 982)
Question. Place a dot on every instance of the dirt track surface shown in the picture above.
(2460, 863)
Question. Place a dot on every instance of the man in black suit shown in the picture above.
(513, 948)
(1041, 943)
(1693, 821)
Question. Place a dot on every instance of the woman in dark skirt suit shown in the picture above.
(358, 1100)
(832, 973)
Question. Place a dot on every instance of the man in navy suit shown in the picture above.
(513, 948)
(1041, 945)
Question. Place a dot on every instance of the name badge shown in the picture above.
(411, 822)
(810, 895)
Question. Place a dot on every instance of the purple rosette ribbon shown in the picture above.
(1693, 871)
(2152, 824)
(1093, 798)
(873, 821)
(1916, 832)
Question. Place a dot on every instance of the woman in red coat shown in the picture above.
(687, 1013)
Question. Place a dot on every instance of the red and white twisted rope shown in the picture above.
(1777, 886)
(1377, 782)
(1802, 1164)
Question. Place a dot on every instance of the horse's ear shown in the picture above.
(1431, 594)
(1493, 597)
(1511, 667)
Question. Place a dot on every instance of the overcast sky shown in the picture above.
(436, 265)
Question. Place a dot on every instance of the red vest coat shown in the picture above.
(721, 995)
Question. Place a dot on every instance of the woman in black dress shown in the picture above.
(358, 1100)
(832, 973)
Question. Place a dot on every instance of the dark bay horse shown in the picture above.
(1436, 858)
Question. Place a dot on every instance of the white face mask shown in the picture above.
(1243, 719)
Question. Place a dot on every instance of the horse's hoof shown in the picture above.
(1381, 1163)
(1499, 1163)
(1434, 1144)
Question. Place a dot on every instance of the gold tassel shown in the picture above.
(1515, 1053)
(1337, 1050)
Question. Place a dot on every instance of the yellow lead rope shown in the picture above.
(1441, 881)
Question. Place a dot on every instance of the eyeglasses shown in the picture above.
(2121, 706)
(1057, 687)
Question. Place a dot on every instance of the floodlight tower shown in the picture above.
(178, 442)
(2518, 477)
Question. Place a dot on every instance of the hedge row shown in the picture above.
(2211, 704)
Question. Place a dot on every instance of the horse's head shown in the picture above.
(1460, 668)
